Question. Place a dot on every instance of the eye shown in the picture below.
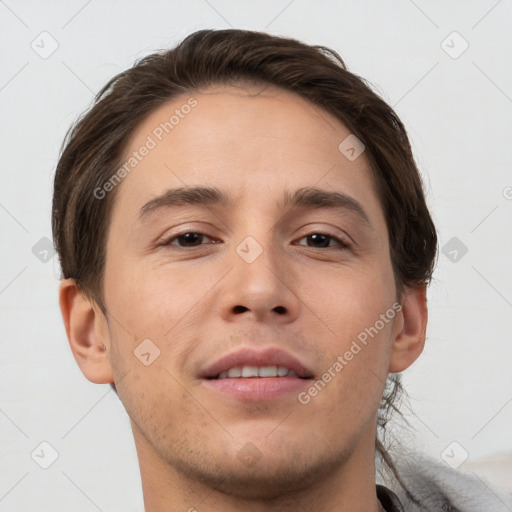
(187, 239)
(323, 240)
(196, 239)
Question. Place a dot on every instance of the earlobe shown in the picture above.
(409, 339)
(87, 332)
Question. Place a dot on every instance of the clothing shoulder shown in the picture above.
(437, 487)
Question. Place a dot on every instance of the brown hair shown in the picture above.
(93, 147)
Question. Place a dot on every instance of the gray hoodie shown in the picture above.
(438, 488)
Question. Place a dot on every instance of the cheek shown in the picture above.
(150, 301)
(152, 397)
(156, 315)
(358, 312)
(352, 298)
(355, 373)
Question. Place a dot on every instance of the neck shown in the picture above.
(347, 486)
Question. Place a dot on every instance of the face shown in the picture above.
(276, 279)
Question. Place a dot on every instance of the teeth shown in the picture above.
(282, 371)
(234, 372)
(255, 371)
(268, 371)
(250, 371)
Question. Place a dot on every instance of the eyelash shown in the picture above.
(168, 242)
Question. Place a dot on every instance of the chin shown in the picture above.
(262, 479)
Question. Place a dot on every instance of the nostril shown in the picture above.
(239, 309)
(280, 309)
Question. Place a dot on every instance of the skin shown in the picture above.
(253, 143)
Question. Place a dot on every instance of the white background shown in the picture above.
(458, 112)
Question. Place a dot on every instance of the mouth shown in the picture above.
(249, 375)
(250, 372)
(250, 363)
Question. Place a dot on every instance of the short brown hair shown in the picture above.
(94, 145)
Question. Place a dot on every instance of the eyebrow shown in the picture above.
(308, 197)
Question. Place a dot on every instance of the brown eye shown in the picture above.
(187, 239)
(323, 240)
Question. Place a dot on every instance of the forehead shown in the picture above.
(252, 141)
(263, 116)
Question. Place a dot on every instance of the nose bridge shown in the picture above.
(259, 263)
(259, 248)
(259, 283)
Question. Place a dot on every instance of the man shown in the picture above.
(245, 248)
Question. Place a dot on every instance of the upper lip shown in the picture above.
(250, 357)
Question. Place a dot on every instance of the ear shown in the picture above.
(87, 332)
(411, 329)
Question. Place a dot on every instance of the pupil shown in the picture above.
(190, 237)
(324, 239)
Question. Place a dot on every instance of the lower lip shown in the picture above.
(257, 389)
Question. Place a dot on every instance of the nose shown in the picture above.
(260, 286)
